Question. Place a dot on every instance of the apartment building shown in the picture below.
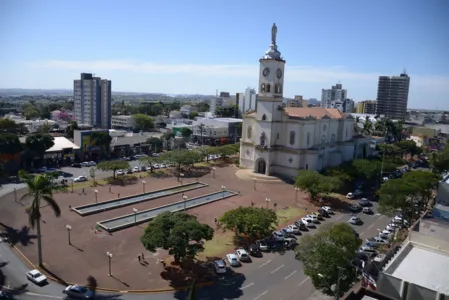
(92, 101)
(367, 107)
(123, 122)
(333, 97)
(392, 96)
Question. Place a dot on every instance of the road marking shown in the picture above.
(303, 281)
(291, 274)
(370, 226)
(264, 264)
(361, 234)
(46, 296)
(340, 217)
(381, 217)
(246, 286)
(260, 295)
(277, 269)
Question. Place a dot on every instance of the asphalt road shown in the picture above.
(274, 277)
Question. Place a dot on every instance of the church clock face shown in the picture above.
(266, 72)
(279, 73)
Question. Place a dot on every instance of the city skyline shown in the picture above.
(191, 50)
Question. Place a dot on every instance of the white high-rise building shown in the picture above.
(334, 97)
(247, 100)
(92, 101)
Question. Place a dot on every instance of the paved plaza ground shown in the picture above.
(87, 255)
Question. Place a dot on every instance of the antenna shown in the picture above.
(404, 71)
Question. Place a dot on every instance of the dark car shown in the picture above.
(130, 171)
(364, 202)
(324, 213)
(254, 250)
(301, 225)
(76, 165)
(355, 208)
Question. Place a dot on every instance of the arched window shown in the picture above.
(278, 88)
(249, 132)
(333, 139)
(262, 88)
(262, 139)
(308, 138)
(268, 88)
(264, 117)
(292, 137)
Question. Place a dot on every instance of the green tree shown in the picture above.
(367, 169)
(390, 150)
(143, 122)
(149, 160)
(31, 113)
(327, 251)
(398, 194)
(8, 126)
(408, 147)
(426, 182)
(225, 111)
(315, 184)
(44, 113)
(39, 143)
(70, 128)
(155, 144)
(193, 115)
(103, 141)
(252, 222)
(440, 160)
(40, 189)
(186, 132)
(203, 106)
(92, 174)
(192, 293)
(45, 128)
(179, 233)
(181, 157)
(113, 165)
(226, 150)
(9, 146)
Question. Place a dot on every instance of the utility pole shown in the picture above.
(337, 290)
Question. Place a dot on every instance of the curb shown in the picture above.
(66, 283)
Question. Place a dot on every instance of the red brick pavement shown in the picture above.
(87, 256)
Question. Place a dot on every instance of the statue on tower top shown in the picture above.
(274, 31)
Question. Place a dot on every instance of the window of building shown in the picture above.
(249, 132)
(262, 88)
(292, 137)
(262, 139)
(307, 166)
(264, 117)
(308, 138)
(268, 88)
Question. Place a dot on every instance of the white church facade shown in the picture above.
(281, 141)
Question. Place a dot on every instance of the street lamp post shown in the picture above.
(72, 184)
(223, 189)
(96, 196)
(181, 176)
(69, 228)
(184, 198)
(143, 184)
(213, 171)
(135, 215)
(296, 194)
(255, 180)
(267, 201)
(109, 254)
(15, 195)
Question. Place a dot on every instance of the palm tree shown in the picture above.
(367, 126)
(192, 293)
(40, 187)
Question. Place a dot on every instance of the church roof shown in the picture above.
(315, 112)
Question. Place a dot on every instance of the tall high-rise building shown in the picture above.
(334, 97)
(392, 96)
(92, 101)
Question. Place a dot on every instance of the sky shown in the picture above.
(200, 46)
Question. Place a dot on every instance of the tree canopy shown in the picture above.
(322, 254)
(179, 233)
(143, 122)
(315, 183)
(252, 222)
(103, 141)
(181, 157)
(39, 143)
(440, 160)
(155, 144)
(9, 146)
(186, 132)
(113, 165)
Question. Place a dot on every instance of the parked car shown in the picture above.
(313, 218)
(350, 195)
(143, 168)
(129, 171)
(136, 169)
(318, 215)
(328, 209)
(219, 266)
(233, 260)
(308, 222)
(301, 225)
(290, 243)
(163, 165)
(355, 208)
(364, 202)
(287, 230)
(324, 213)
(385, 234)
(355, 220)
(367, 210)
(156, 166)
(254, 250)
(242, 255)
(78, 292)
(294, 228)
(76, 165)
(85, 164)
(80, 179)
(36, 277)
(91, 164)
(263, 246)
(368, 250)
(279, 236)
(120, 172)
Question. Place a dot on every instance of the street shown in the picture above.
(275, 276)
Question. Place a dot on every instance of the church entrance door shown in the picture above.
(261, 166)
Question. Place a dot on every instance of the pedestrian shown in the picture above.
(109, 189)
(143, 257)
(118, 195)
(215, 220)
(83, 190)
(138, 257)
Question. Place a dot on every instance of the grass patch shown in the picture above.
(289, 214)
(217, 246)
(85, 184)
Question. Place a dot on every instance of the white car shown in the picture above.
(313, 218)
(85, 164)
(367, 210)
(385, 234)
(136, 169)
(390, 228)
(220, 267)
(242, 255)
(380, 240)
(350, 195)
(308, 222)
(36, 277)
(91, 164)
(294, 228)
(233, 260)
(163, 165)
(156, 166)
(368, 250)
(355, 220)
(120, 172)
(80, 179)
(385, 179)
(327, 209)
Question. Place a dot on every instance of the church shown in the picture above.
(280, 141)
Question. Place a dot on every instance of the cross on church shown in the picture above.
(290, 160)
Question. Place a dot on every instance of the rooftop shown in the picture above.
(316, 112)
(62, 143)
(424, 268)
(435, 228)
